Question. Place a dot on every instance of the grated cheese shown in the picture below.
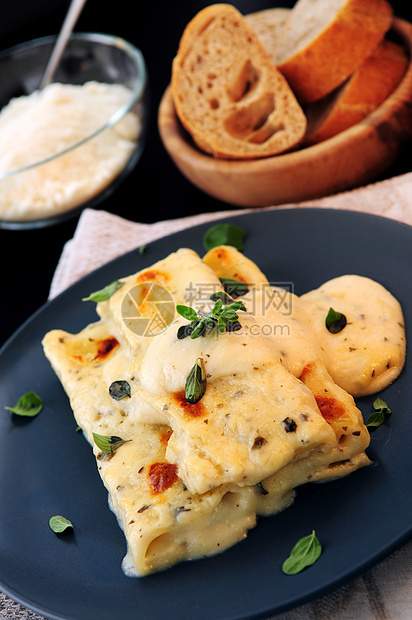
(45, 123)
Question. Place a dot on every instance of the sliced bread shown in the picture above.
(325, 41)
(227, 92)
(369, 86)
(268, 25)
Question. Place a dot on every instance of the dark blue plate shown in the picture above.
(47, 468)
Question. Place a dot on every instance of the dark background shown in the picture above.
(155, 190)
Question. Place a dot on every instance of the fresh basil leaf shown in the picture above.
(187, 312)
(105, 293)
(28, 405)
(119, 389)
(108, 443)
(195, 386)
(234, 288)
(224, 234)
(335, 321)
(305, 553)
(59, 524)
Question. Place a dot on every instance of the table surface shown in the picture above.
(155, 190)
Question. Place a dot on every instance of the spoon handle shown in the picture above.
(64, 34)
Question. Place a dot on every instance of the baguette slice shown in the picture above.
(325, 41)
(268, 25)
(369, 86)
(227, 92)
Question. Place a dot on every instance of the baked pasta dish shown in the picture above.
(209, 395)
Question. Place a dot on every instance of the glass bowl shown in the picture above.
(48, 187)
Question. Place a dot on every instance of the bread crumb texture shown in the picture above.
(227, 92)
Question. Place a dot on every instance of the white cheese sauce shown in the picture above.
(369, 353)
(365, 357)
(260, 431)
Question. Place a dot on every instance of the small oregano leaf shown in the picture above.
(305, 553)
(119, 389)
(335, 321)
(29, 405)
(378, 416)
(59, 524)
(234, 288)
(223, 296)
(224, 234)
(195, 386)
(108, 443)
(105, 293)
(223, 316)
(380, 405)
(186, 312)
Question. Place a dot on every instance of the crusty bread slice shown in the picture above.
(268, 25)
(325, 41)
(369, 86)
(227, 92)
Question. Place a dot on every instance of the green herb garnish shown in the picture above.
(234, 288)
(224, 234)
(195, 386)
(378, 416)
(226, 299)
(305, 553)
(28, 405)
(119, 389)
(142, 248)
(105, 293)
(108, 443)
(335, 321)
(187, 312)
(59, 524)
(222, 317)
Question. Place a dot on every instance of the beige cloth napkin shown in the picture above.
(102, 236)
(385, 591)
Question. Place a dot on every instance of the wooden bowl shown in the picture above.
(352, 158)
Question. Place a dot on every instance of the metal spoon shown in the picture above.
(64, 34)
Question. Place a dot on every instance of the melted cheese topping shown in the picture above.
(192, 478)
